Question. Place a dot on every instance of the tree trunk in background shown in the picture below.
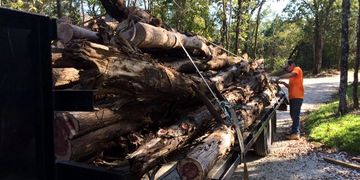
(321, 14)
(224, 25)
(257, 26)
(237, 29)
(82, 12)
(247, 45)
(229, 27)
(344, 56)
(58, 9)
(356, 66)
(180, 7)
(318, 46)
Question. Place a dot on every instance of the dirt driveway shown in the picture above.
(300, 159)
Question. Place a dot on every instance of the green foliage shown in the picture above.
(343, 132)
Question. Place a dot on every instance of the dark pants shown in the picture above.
(295, 107)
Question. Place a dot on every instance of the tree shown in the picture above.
(344, 56)
(357, 60)
(237, 29)
(317, 13)
(59, 9)
(257, 26)
(224, 27)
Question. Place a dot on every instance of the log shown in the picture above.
(80, 134)
(342, 163)
(167, 140)
(67, 32)
(107, 69)
(220, 62)
(202, 158)
(116, 9)
(225, 78)
(65, 77)
(146, 36)
(216, 63)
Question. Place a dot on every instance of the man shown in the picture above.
(296, 95)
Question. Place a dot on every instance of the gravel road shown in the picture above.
(301, 159)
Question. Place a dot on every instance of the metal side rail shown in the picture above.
(224, 168)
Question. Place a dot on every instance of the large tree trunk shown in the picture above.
(146, 36)
(344, 56)
(203, 157)
(108, 69)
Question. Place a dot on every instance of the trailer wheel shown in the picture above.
(263, 143)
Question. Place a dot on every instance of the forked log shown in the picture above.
(167, 140)
(202, 158)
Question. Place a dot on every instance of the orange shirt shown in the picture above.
(296, 88)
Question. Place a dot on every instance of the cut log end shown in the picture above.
(190, 169)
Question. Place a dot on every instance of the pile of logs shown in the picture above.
(150, 100)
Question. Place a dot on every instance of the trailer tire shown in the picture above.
(263, 143)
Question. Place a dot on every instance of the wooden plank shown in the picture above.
(342, 163)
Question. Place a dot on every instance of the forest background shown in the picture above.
(307, 31)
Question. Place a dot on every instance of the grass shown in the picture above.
(325, 126)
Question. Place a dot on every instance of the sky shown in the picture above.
(276, 7)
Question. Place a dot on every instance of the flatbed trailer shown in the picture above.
(260, 139)
(28, 103)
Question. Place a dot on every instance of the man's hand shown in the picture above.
(284, 83)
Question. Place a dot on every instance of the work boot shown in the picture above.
(293, 136)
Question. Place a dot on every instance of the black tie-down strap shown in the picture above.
(231, 119)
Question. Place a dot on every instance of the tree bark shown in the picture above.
(203, 157)
(344, 56)
(65, 77)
